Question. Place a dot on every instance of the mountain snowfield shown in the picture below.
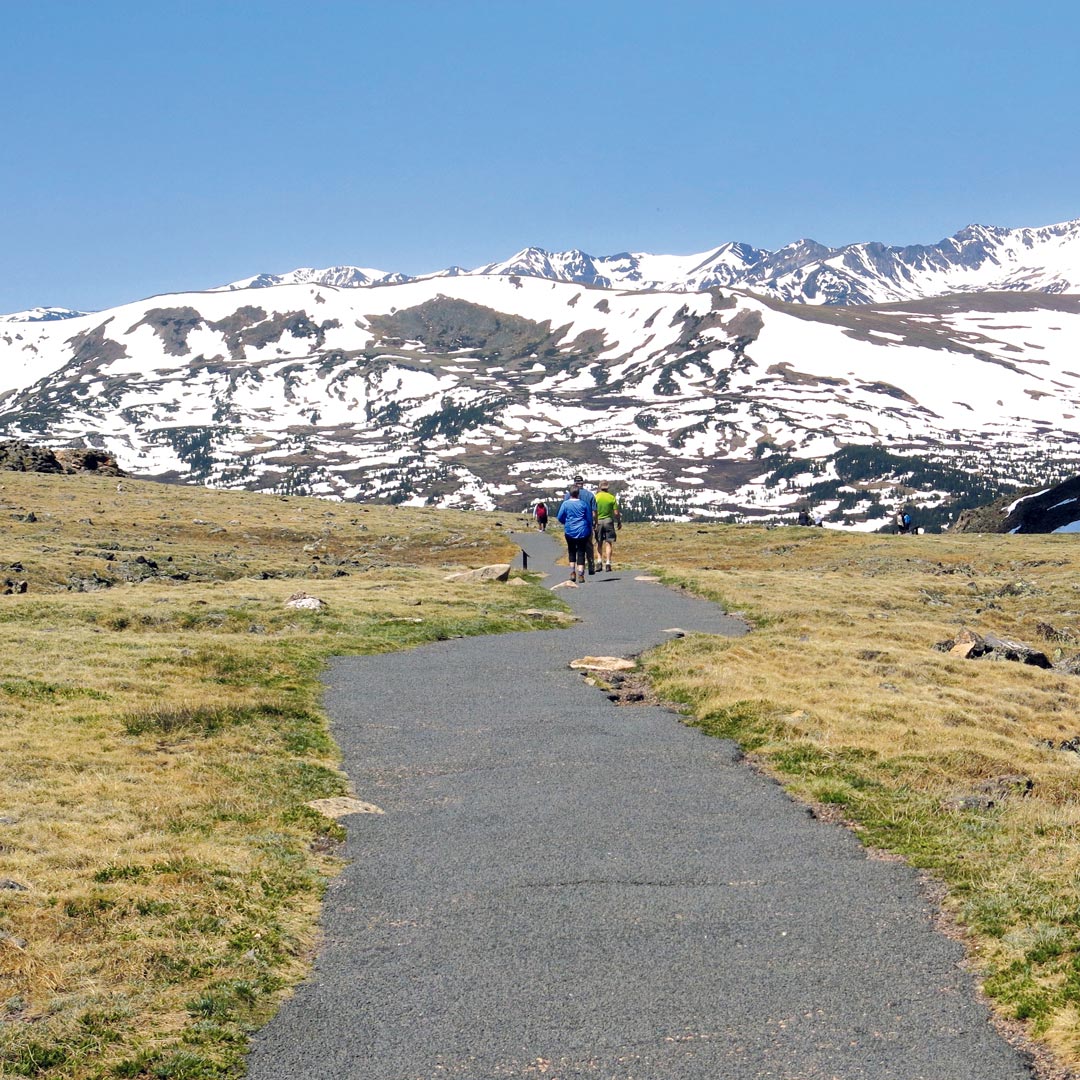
(978, 258)
(490, 390)
(41, 314)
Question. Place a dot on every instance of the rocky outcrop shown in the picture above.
(80, 460)
(19, 456)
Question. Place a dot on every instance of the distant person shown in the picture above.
(819, 520)
(589, 499)
(804, 517)
(903, 522)
(541, 516)
(576, 518)
(608, 523)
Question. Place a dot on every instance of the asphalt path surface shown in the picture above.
(563, 887)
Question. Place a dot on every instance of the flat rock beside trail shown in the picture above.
(342, 805)
(602, 663)
(494, 572)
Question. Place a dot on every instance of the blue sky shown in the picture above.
(155, 147)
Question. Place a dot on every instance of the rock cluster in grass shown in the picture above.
(972, 646)
(1072, 745)
(132, 571)
(94, 582)
(992, 792)
(13, 585)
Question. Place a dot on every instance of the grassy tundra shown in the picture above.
(160, 737)
(160, 873)
(838, 693)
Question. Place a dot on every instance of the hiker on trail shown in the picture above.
(608, 523)
(589, 499)
(541, 516)
(903, 522)
(804, 517)
(576, 518)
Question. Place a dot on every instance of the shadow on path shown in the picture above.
(561, 887)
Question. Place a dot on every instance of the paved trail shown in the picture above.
(565, 888)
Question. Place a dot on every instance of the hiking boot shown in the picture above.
(573, 577)
(608, 568)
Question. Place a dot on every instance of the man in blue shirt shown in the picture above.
(577, 521)
(589, 499)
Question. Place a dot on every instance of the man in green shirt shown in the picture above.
(608, 523)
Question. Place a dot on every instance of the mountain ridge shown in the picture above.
(975, 258)
(489, 391)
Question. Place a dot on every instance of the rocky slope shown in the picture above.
(1044, 510)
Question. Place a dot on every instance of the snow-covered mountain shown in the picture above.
(346, 277)
(976, 259)
(41, 314)
(488, 390)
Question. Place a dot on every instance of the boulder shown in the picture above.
(1004, 649)
(301, 601)
(965, 641)
(494, 572)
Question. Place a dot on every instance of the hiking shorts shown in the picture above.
(607, 531)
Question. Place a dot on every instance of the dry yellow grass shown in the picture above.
(160, 737)
(839, 692)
